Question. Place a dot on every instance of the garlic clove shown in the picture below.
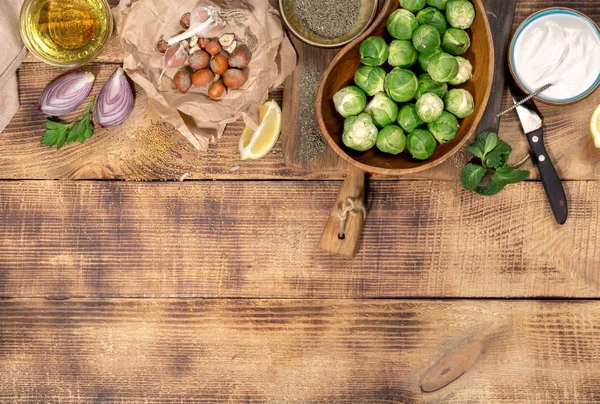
(193, 41)
(194, 49)
(231, 47)
(226, 40)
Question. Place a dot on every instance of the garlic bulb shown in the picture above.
(205, 21)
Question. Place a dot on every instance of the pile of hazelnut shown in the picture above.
(218, 63)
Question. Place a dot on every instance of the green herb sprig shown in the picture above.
(81, 129)
(491, 156)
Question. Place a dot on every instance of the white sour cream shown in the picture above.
(558, 49)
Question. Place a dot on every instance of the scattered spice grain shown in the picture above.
(328, 18)
(312, 142)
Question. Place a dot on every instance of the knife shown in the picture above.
(531, 121)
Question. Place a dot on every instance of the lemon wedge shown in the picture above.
(595, 126)
(257, 144)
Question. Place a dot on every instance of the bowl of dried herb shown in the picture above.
(327, 23)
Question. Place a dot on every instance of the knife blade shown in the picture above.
(532, 124)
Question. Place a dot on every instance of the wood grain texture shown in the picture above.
(290, 351)
(125, 153)
(259, 239)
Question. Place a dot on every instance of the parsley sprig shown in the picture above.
(81, 129)
(491, 156)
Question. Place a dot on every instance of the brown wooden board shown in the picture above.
(298, 351)
(259, 239)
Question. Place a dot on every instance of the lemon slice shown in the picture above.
(256, 145)
(595, 126)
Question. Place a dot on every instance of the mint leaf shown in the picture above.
(471, 176)
(474, 148)
(491, 140)
(509, 175)
(492, 189)
(498, 157)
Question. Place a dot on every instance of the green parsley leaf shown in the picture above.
(81, 129)
(498, 157)
(472, 175)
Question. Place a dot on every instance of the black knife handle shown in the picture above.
(550, 178)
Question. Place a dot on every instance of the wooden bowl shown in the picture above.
(368, 10)
(340, 73)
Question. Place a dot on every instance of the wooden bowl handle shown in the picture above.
(352, 191)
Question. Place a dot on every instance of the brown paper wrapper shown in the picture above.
(142, 23)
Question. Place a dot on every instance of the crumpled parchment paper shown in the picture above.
(142, 23)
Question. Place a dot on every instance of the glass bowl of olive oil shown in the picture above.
(65, 33)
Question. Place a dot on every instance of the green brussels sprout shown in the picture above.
(426, 38)
(391, 139)
(456, 41)
(401, 24)
(429, 107)
(465, 72)
(442, 67)
(421, 144)
(402, 53)
(383, 111)
(370, 79)
(439, 4)
(401, 85)
(459, 102)
(408, 118)
(350, 100)
(445, 128)
(373, 51)
(433, 17)
(424, 58)
(429, 85)
(412, 5)
(460, 13)
(360, 133)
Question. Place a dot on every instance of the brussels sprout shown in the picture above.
(370, 79)
(402, 53)
(421, 144)
(445, 128)
(429, 85)
(456, 41)
(439, 4)
(433, 17)
(465, 72)
(350, 101)
(412, 5)
(391, 139)
(429, 107)
(383, 111)
(459, 102)
(426, 38)
(401, 24)
(408, 118)
(442, 67)
(359, 132)
(424, 58)
(373, 51)
(460, 13)
(401, 85)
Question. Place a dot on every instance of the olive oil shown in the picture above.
(66, 32)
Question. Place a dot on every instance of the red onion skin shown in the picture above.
(66, 93)
(115, 101)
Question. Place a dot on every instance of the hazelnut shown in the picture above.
(185, 21)
(239, 58)
(213, 48)
(216, 91)
(199, 60)
(162, 46)
(234, 78)
(218, 64)
(202, 78)
(203, 42)
(182, 81)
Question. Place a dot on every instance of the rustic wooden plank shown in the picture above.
(296, 351)
(259, 239)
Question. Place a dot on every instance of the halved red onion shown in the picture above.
(115, 102)
(66, 93)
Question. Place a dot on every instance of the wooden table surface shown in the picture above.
(119, 284)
